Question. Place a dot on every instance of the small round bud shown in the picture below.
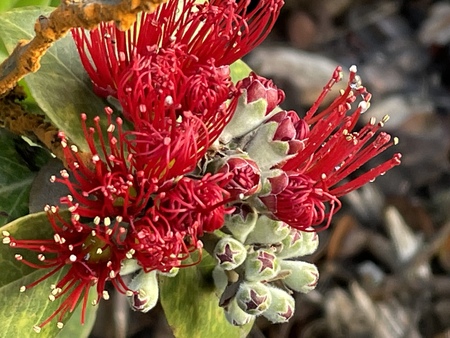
(281, 308)
(146, 295)
(268, 231)
(236, 316)
(230, 253)
(261, 265)
(258, 87)
(298, 243)
(253, 298)
(304, 276)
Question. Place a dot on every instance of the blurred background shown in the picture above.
(385, 261)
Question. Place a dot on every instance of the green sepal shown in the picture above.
(304, 276)
(239, 226)
(246, 118)
(264, 150)
(268, 231)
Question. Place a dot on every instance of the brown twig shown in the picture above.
(71, 13)
(14, 118)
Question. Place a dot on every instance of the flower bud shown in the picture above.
(242, 221)
(268, 231)
(245, 177)
(290, 129)
(253, 298)
(229, 253)
(304, 276)
(259, 87)
(145, 285)
(236, 316)
(298, 243)
(261, 265)
(281, 308)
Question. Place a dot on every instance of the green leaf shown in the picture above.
(191, 306)
(24, 3)
(239, 70)
(19, 164)
(6, 4)
(19, 312)
(61, 87)
(33, 226)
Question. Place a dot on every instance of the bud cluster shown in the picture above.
(257, 270)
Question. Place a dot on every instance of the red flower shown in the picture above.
(93, 252)
(332, 152)
(198, 203)
(108, 183)
(181, 212)
(157, 245)
(299, 201)
(160, 96)
(228, 28)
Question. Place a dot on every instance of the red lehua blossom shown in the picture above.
(228, 28)
(173, 111)
(108, 183)
(182, 211)
(156, 245)
(92, 252)
(299, 201)
(332, 152)
(157, 89)
(198, 203)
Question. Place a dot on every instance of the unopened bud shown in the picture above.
(281, 308)
(304, 276)
(236, 316)
(268, 231)
(258, 87)
(146, 286)
(298, 243)
(245, 179)
(253, 298)
(261, 265)
(230, 253)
